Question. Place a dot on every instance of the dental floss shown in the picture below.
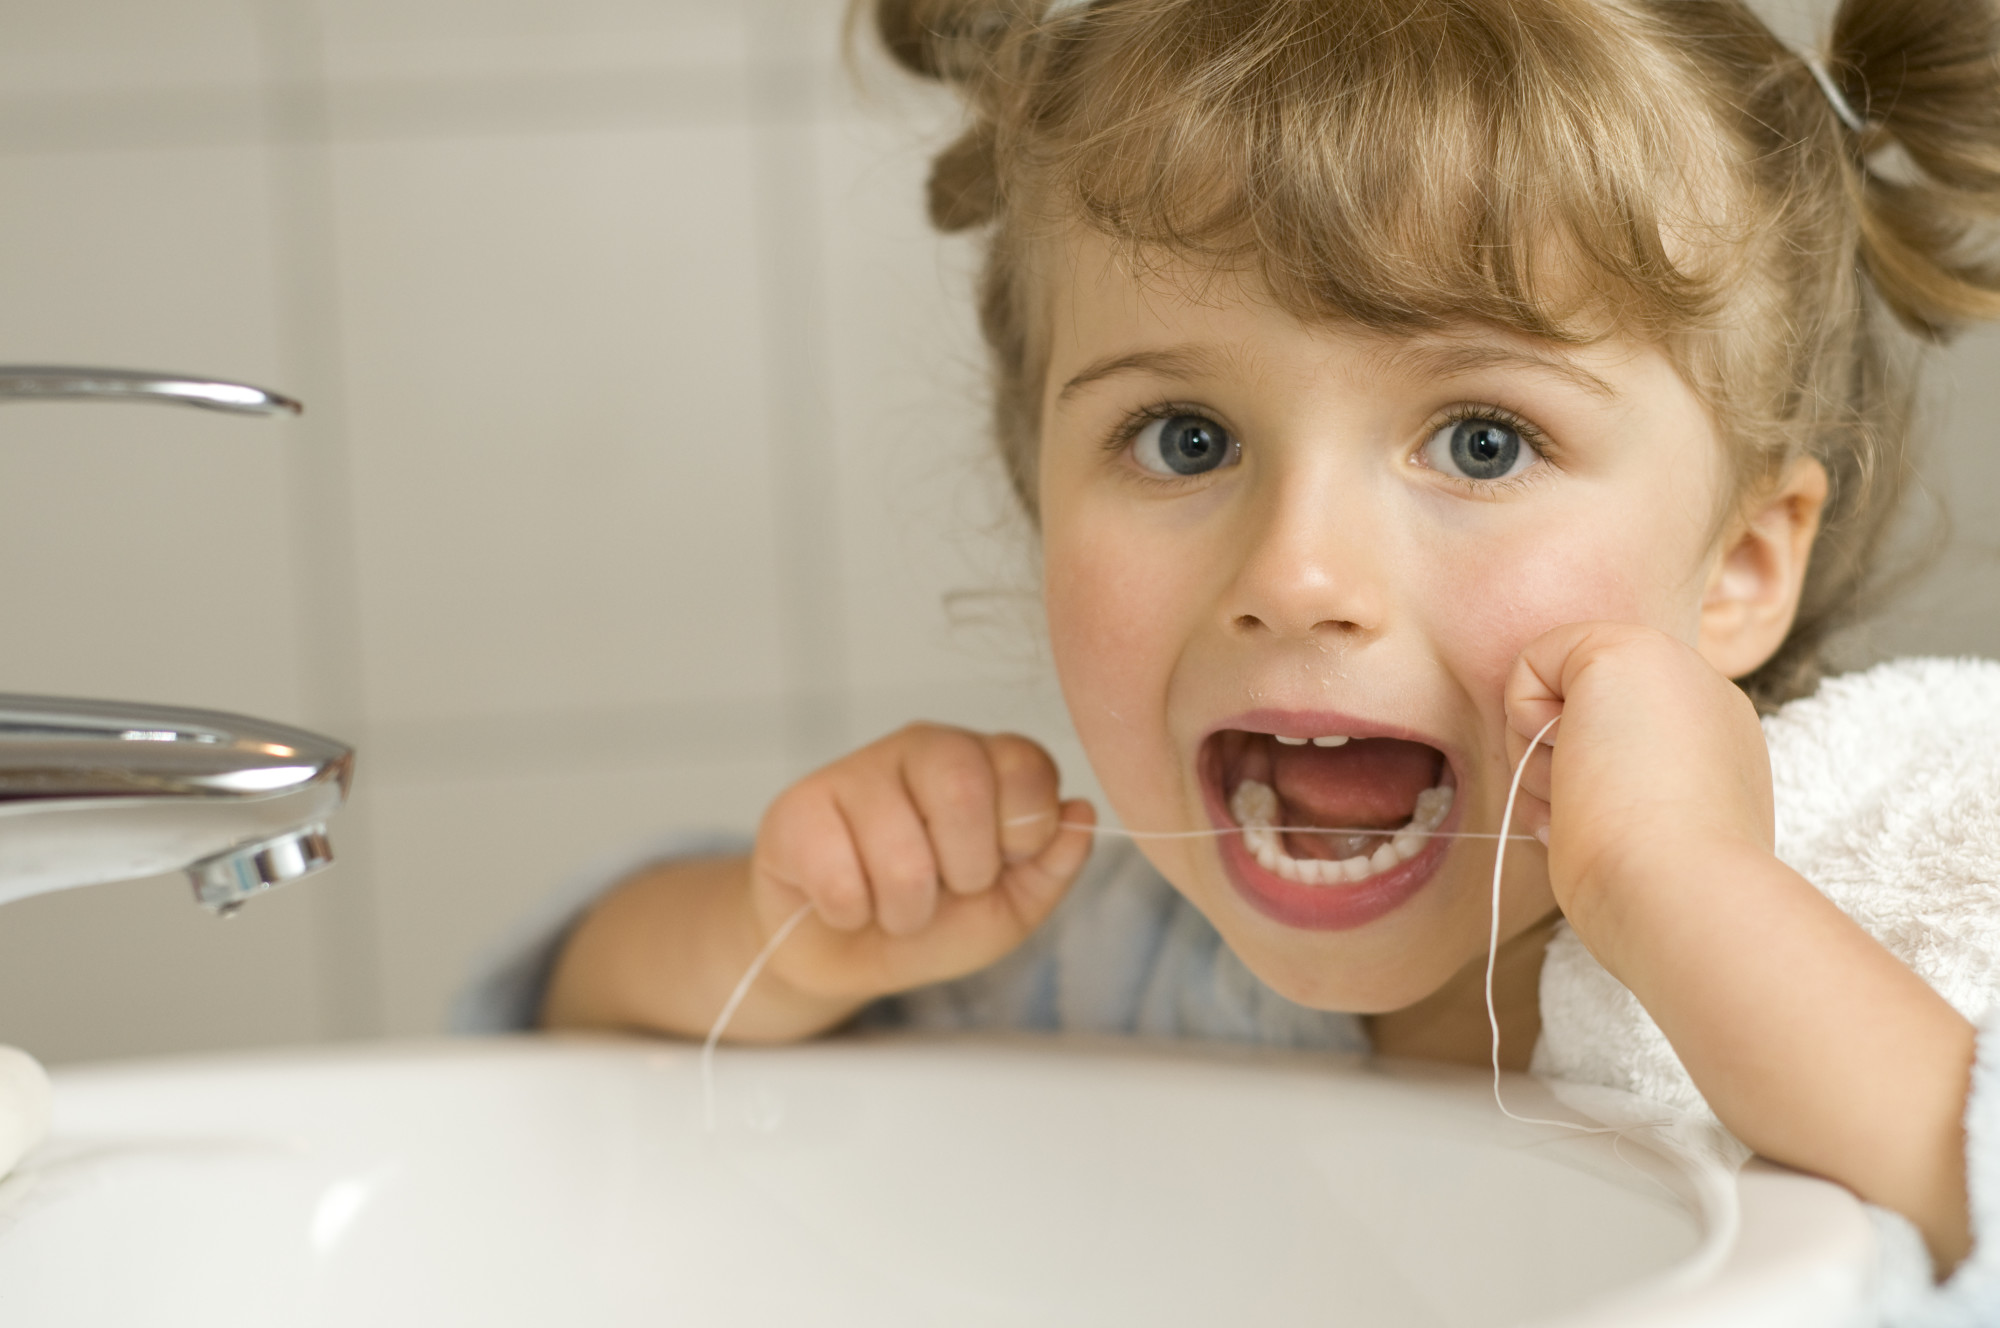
(1120, 832)
(1493, 933)
(784, 930)
(792, 923)
(1618, 1133)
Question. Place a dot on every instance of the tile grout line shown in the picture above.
(388, 110)
(792, 295)
(327, 615)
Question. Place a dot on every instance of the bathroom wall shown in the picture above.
(641, 451)
(642, 467)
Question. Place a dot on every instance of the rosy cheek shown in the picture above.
(1114, 612)
(1103, 621)
(1481, 619)
(1091, 600)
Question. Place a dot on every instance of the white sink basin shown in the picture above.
(884, 1183)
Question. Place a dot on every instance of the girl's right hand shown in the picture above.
(925, 856)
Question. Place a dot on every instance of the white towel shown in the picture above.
(1888, 798)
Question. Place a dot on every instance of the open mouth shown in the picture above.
(1331, 809)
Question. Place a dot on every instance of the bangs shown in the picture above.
(1404, 164)
(1665, 170)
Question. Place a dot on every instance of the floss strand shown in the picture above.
(792, 924)
(778, 937)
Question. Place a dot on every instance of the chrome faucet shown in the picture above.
(94, 791)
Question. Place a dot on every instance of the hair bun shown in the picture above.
(964, 188)
(1925, 75)
(948, 40)
(967, 43)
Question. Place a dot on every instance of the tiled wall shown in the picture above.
(642, 449)
(642, 468)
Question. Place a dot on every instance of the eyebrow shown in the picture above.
(1449, 361)
(1179, 361)
(1443, 361)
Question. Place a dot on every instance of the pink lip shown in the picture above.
(1323, 907)
(1315, 723)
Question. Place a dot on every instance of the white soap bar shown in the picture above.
(24, 1105)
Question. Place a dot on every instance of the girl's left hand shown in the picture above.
(1658, 759)
(1812, 1043)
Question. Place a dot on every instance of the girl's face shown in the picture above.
(1260, 535)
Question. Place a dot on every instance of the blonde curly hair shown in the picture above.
(1667, 168)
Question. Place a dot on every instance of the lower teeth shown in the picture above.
(1255, 806)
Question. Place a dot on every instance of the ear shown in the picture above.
(1760, 570)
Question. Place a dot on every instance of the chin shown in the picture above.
(1374, 970)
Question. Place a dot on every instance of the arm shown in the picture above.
(662, 952)
(1812, 1043)
(924, 856)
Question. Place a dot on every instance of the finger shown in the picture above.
(804, 848)
(1531, 817)
(1036, 886)
(1534, 698)
(1533, 770)
(1028, 786)
(1538, 775)
(895, 853)
(1539, 681)
(1529, 708)
(953, 784)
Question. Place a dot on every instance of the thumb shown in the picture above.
(1538, 684)
(1036, 886)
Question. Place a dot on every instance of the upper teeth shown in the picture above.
(1255, 806)
(1332, 740)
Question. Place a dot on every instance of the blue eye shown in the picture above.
(1478, 448)
(1183, 445)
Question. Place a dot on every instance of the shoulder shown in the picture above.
(1905, 733)
(1881, 718)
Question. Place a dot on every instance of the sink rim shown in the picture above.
(1763, 1233)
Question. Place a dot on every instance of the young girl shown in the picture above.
(1386, 379)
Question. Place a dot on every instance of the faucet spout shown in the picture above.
(94, 791)
(225, 882)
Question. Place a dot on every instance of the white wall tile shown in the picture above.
(139, 968)
(158, 256)
(941, 587)
(1954, 608)
(1802, 23)
(121, 46)
(940, 572)
(369, 39)
(800, 32)
(146, 561)
(145, 549)
(559, 459)
(461, 860)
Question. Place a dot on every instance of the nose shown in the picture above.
(1311, 569)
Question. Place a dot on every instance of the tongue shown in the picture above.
(1371, 783)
